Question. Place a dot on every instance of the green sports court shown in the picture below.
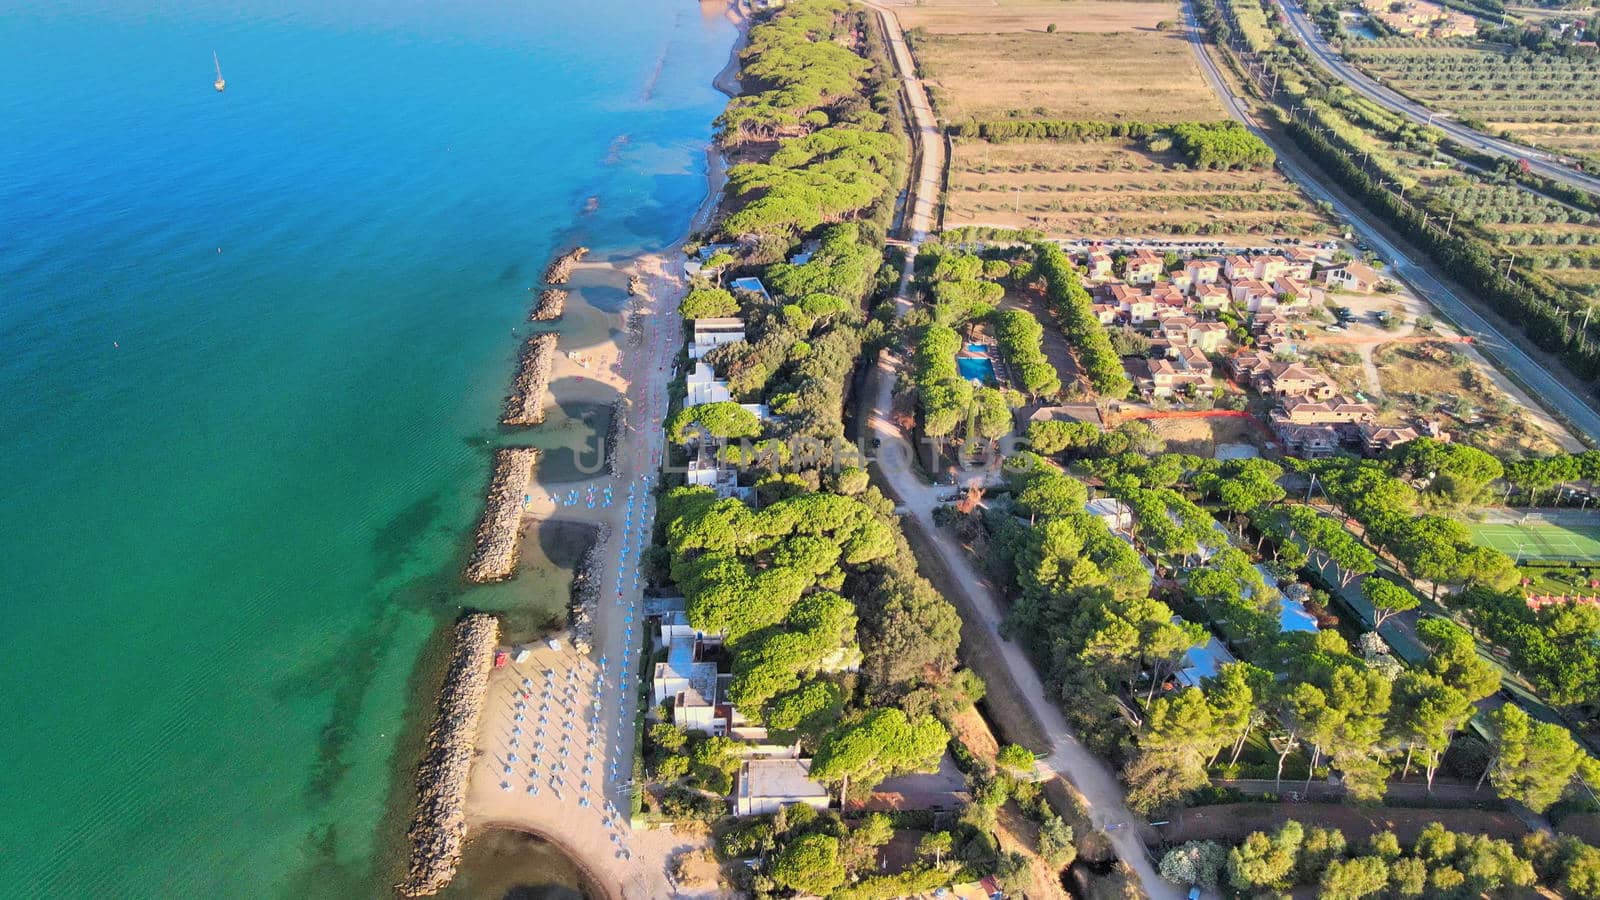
(1534, 540)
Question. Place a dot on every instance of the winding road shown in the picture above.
(1566, 404)
(1360, 82)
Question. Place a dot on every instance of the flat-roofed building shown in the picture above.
(765, 785)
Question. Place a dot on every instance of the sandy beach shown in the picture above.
(555, 750)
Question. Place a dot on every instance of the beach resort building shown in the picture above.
(711, 333)
(689, 683)
(702, 386)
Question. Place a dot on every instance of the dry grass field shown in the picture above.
(1442, 381)
(1117, 188)
(1086, 16)
(1108, 60)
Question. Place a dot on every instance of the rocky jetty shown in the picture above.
(636, 286)
(525, 405)
(561, 267)
(494, 556)
(440, 825)
(619, 424)
(551, 303)
(585, 601)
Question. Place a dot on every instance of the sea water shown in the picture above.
(252, 350)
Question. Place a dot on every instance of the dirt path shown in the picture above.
(928, 139)
(1070, 759)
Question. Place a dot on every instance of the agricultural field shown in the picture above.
(1563, 243)
(1548, 100)
(1118, 188)
(1107, 61)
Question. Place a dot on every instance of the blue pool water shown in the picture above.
(979, 367)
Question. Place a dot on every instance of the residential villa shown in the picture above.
(691, 684)
(1277, 378)
(765, 785)
(711, 333)
(1351, 276)
(1333, 411)
(1142, 267)
(1202, 271)
(1378, 439)
(1099, 265)
(702, 386)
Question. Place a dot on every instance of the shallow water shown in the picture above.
(253, 347)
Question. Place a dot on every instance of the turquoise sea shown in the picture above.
(252, 351)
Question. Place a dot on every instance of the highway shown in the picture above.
(1575, 412)
(1539, 162)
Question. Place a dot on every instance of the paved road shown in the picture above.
(1102, 793)
(1540, 384)
(1360, 82)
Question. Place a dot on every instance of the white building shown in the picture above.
(703, 386)
(710, 333)
(767, 784)
(690, 684)
(1117, 515)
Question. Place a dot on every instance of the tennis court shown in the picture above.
(1540, 540)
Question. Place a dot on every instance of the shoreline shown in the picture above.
(590, 881)
(544, 799)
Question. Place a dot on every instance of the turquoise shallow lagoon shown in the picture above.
(252, 351)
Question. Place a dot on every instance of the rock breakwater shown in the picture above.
(440, 825)
(586, 582)
(614, 433)
(551, 304)
(560, 269)
(494, 555)
(525, 405)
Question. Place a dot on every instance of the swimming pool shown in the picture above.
(979, 367)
